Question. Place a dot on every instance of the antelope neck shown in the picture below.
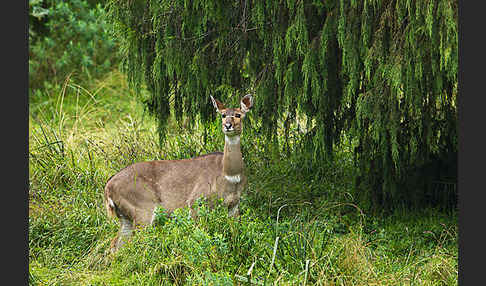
(232, 159)
(232, 140)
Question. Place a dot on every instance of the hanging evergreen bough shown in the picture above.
(383, 71)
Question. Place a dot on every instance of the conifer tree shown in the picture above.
(382, 71)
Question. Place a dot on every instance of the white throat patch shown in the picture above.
(232, 140)
(233, 179)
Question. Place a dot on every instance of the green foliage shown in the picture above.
(68, 39)
(404, 126)
(383, 73)
(79, 137)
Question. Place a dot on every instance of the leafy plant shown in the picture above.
(68, 39)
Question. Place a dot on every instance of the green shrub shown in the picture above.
(67, 38)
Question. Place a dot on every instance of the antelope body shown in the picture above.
(134, 193)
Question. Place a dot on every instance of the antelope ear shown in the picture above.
(217, 104)
(246, 103)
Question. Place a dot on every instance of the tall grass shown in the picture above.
(297, 227)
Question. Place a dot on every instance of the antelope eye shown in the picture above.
(223, 115)
(238, 115)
